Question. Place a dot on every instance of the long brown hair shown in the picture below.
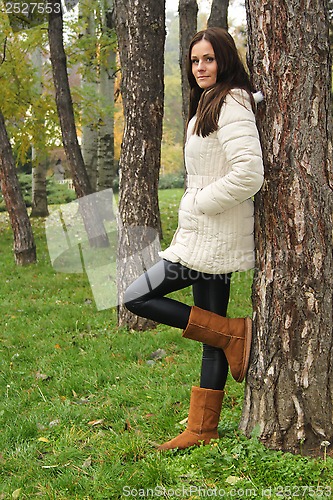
(207, 103)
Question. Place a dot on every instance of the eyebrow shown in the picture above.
(205, 55)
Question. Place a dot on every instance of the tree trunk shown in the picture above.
(39, 196)
(89, 211)
(106, 164)
(219, 14)
(290, 382)
(90, 152)
(89, 144)
(39, 206)
(24, 245)
(141, 36)
(188, 13)
(65, 105)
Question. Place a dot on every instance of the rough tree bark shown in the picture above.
(219, 14)
(289, 387)
(188, 13)
(140, 28)
(24, 244)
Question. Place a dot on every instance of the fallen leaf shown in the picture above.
(96, 422)
(43, 440)
(41, 376)
(128, 426)
(86, 463)
(57, 346)
(54, 422)
(233, 480)
(82, 401)
(16, 493)
(158, 354)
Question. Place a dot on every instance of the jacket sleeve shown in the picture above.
(238, 135)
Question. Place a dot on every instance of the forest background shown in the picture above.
(21, 88)
(50, 448)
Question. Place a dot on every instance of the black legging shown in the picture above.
(146, 297)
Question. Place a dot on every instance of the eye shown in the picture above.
(210, 59)
(195, 61)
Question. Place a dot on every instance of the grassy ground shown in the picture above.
(82, 405)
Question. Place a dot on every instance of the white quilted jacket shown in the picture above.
(224, 170)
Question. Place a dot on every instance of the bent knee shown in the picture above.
(132, 300)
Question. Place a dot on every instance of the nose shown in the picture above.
(201, 65)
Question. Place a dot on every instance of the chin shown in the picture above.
(203, 85)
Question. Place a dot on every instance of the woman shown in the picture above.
(214, 237)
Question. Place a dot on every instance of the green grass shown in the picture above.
(81, 410)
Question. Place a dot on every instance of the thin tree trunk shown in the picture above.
(90, 152)
(141, 37)
(39, 196)
(39, 207)
(93, 224)
(89, 144)
(65, 105)
(24, 244)
(219, 14)
(188, 13)
(289, 388)
(106, 164)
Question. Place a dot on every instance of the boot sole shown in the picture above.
(247, 348)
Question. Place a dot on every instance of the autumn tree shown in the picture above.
(140, 29)
(24, 244)
(89, 210)
(95, 56)
(289, 391)
(64, 102)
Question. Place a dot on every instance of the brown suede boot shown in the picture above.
(203, 418)
(233, 335)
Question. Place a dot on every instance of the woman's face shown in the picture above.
(204, 65)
